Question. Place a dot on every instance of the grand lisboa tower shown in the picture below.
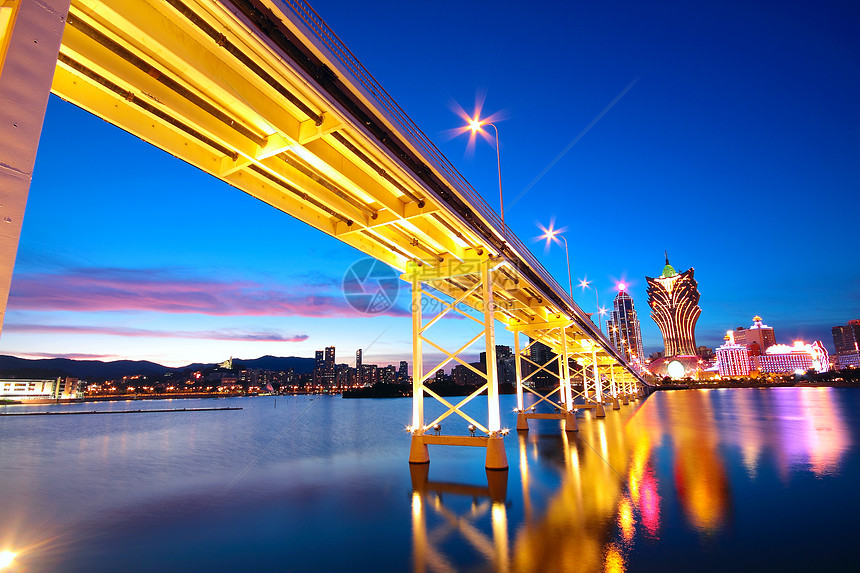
(674, 301)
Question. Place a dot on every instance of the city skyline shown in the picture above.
(116, 262)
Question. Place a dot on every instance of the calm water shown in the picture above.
(744, 480)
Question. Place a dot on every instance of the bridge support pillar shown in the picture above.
(570, 424)
(476, 290)
(30, 36)
(418, 453)
(614, 388)
(496, 457)
(522, 422)
(598, 384)
(552, 333)
(600, 412)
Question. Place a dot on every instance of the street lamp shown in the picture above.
(475, 125)
(553, 235)
(584, 284)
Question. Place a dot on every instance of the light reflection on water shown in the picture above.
(685, 480)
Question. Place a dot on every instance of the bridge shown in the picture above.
(263, 95)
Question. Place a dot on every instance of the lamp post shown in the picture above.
(553, 235)
(584, 284)
(475, 125)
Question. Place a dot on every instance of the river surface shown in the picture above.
(696, 480)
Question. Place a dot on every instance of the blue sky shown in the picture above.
(735, 149)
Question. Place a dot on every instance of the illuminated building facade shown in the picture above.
(733, 359)
(758, 334)
(781, 358)
(55, 389)
(358, 366)
(674, 301)
(623, 326)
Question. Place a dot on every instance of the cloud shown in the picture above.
(231, 335)
(161, 290)
(70, 355)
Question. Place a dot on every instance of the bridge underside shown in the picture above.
(261, 95)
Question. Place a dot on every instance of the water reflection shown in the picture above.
(701, 474)
(620, 473)
(573, 529)
(430, 497)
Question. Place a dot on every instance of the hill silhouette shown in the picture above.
(98, 369)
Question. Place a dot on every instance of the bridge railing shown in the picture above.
(336, 49)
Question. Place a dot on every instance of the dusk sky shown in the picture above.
(726, 133)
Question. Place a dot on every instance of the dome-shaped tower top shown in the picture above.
(668, 270)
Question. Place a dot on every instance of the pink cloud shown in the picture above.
(232, 335)
(157, 290)
(70, 355)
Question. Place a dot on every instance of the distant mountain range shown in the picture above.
(96, 369)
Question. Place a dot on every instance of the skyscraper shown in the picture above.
(319, 367)
(674, 301)
(846, 339)
(358, 372)
(328, 367)
(623, 326)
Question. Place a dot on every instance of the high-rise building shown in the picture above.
(328, 375)
(403, 373)
(505, 365)
(846, 340)
(674, 301)
(623, 326)
(539, 353)
(358, 371)
(369, 374)
(388, 374)
(319, 367)
(758, 337)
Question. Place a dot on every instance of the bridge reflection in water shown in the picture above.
(604, 476)
(610, 495)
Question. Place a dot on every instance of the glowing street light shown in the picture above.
(584, 284)
(475, 124)
(6, 558)
(553, 235)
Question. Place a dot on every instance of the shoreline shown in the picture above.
(719, 385)
(398, 391)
